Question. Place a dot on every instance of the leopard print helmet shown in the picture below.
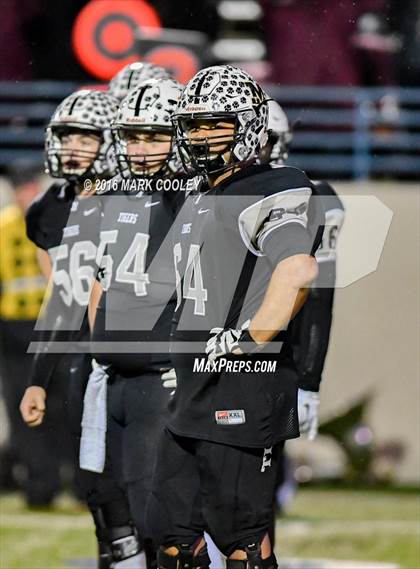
(222, 92)
(148, 108)
(85, 111)
(132, 75)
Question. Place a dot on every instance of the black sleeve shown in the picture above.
(286, 241)
(39, 214)
(45, 360)
(34, 222)
(47, 216)
(310, 337)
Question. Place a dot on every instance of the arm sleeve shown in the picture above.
(45, 360)
(32, 226)
(311, 334)
(284, 242)
(34, 219)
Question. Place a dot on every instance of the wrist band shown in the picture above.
(247, 344)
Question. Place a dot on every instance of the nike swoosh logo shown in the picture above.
(89, 211)
(203, 211)
(151, 204)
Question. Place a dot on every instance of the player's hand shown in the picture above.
(169, 379)
(32, 406)
(308, 404)
(223, 342)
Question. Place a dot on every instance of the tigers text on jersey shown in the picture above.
(135, 268)
(228, 243)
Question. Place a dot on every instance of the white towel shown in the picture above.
(93, 439)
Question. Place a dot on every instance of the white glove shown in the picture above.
(308, 403)
(222, 343)
(169, 379)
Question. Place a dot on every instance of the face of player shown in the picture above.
(147, 151)
(211, 139)
(78, 151)
(216, 133)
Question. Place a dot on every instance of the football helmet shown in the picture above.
(85, 111)
(132, 75)
(147, 109)
(217, 93)
(279, 134)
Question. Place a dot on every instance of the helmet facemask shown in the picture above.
(75, 160)
(82, 116)
(218, 153)
(143, 131)
(144, 152)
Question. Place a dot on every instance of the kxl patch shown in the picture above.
(231, 417)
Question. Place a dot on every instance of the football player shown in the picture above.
(132, 75)
(64, 224)
(136, 303)
(311, 327)
(243, 259)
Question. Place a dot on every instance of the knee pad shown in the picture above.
(116, 543)
(123, 543)
(253, 559)
(185, 558)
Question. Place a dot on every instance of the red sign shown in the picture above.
(104, 34)
(180, 62)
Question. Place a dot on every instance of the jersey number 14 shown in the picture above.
(191, 287)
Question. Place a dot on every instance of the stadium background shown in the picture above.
(355, 111)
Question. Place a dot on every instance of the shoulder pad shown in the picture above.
(270, 180)
(272, 212)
